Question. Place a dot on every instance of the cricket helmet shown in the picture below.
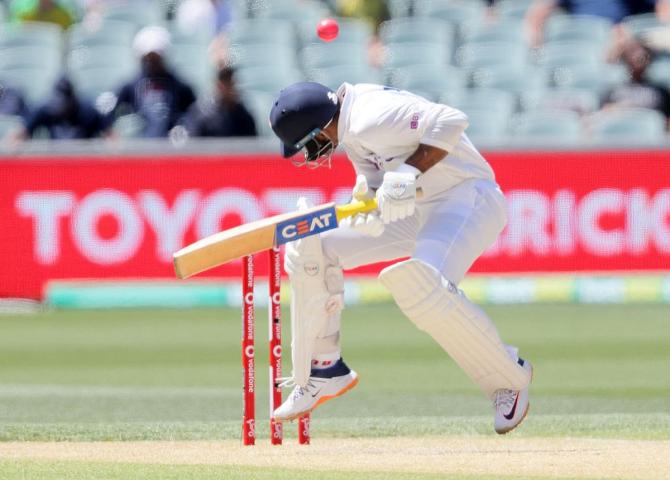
(299, 114)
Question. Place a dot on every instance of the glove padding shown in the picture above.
(366, 223)
(397, 196)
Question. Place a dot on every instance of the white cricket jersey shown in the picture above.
(380, 127)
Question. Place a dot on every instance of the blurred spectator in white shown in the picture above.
(639, 92)
(222, 116)
(613, 10)
(12, 102)
(64, 116)
(50, 11)
(211, 16)
(157, 95)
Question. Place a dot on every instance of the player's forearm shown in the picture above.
(425, 157)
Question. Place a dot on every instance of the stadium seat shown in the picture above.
(414, 29)
(461, 14)
(8, 124)
(400, 55)
(512, 8)
(46, 35)
(139, 13)
(488, 112)
(259, 55)
(266, 79)
(561, 54)
(333, 77)
(110, 32)
(500, 103)
(399, 8)
(30, 56)
(490, 54)
(596, 78)
(322, 55)
(505, 30)
(352, 30)
(558, 125)
(638, 125)
(35, 82)
(580, 101)
(94, 56)
(201, 37)
(642, 23)
(484, 127)
(659, 72)
(193, 66)
(92, 82)
(291, 10)
(435, 81)
(510, 79)
(263, 31)
(596, 30)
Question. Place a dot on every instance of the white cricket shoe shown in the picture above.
(323, 385)
(511, 406)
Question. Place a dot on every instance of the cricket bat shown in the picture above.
(262, 235)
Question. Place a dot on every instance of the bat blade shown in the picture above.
(223, 247)
(253, 237)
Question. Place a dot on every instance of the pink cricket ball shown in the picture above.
(327, 29)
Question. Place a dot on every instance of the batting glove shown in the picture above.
(366, 223)
(397, 195)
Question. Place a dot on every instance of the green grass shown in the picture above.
(177, 374)
(600, 371)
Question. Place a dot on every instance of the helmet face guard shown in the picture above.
(317, 152)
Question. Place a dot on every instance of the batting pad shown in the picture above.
(461, 328)
(315, 311)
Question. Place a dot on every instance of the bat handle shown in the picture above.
(354, 208)
(362, 206)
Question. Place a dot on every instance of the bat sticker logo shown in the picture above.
(306, 225)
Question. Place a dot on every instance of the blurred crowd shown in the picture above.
(158, 99)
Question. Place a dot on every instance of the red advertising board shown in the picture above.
(123, 217)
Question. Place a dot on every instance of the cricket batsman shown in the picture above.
(399, 144)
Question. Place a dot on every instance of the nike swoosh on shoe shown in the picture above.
(317, 392)
(510, 415)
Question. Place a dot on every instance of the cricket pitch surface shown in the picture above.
(536, 457)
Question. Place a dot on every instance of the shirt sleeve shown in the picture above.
(444, 128)
(400, 119)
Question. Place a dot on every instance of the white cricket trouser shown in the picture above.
(448, 232)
